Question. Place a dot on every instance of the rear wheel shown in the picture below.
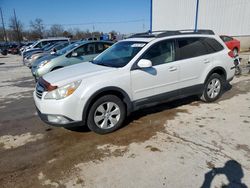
(106, 114)
(213, 88)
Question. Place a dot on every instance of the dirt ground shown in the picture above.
(185, 143)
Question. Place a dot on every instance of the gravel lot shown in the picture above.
(185, 143)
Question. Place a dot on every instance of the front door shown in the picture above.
(162, 77)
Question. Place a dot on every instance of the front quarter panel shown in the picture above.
(91, 86)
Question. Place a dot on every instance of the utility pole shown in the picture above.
(196, 15)
(151, 16)
(17, 28)
(4, 32)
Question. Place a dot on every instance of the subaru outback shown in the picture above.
(143, 70)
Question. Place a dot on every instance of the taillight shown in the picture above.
(231, 54)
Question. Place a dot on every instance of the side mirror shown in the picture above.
(144, 63)
(74, 54)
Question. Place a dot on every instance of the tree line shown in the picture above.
(37, 30)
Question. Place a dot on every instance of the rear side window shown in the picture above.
(197, 46)
(226, 38)
(214, 45)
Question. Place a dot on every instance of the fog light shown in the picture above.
(57, 119)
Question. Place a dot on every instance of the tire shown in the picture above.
(213, 88)
(106, 114)
(235, 51)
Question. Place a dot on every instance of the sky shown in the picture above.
(127, 16)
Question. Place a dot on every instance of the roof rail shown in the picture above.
(165, 33)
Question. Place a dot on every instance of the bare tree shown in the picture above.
(2, 38)
(16, 28)
(37, 28)
(56, 30)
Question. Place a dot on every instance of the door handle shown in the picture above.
(171, 69)
(206, 61)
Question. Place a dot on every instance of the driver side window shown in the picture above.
(80, 51)
(161, 53)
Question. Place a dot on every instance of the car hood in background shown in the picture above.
(46, 57)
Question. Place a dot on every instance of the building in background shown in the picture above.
(224, 17)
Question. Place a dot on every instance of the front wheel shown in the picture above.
(213, 88)
(106, 114)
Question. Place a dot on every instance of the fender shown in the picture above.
(104, 91)
(219, 70)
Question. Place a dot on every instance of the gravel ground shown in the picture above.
(185, 143)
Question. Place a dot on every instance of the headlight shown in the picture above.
(63, 91)
(43, 63)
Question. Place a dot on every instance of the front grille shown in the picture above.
(39, 90)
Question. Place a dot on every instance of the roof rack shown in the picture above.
(165, 33)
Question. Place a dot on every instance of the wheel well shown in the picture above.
(218, 70)
(120, 94)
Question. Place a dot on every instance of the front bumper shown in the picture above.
(65, 112)
(58, 120)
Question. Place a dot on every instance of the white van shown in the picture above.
(42, 42)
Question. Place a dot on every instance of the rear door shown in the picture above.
(194, 57)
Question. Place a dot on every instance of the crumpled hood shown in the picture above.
(75, 72)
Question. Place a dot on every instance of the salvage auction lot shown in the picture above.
(171, 145)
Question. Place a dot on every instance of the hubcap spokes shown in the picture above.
(213, 88)
(107, 115)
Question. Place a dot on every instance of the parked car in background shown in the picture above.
(14, 48)
(26, 45)
(79, 52)
(29, 60)
(41, 43)
(232, 43)
(36, 50)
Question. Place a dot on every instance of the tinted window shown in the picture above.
(80, 50)
(99, 47)
(226, 38)
(160, 53)
(214, 45)
(192, 47)
(90, 49)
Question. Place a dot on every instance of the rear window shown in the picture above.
(197, 46)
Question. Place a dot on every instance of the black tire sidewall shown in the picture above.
(107, 98)
(213, 76)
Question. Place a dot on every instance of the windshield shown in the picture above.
(67, 48)
(119, 54)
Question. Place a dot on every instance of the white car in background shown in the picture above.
(144, 70)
